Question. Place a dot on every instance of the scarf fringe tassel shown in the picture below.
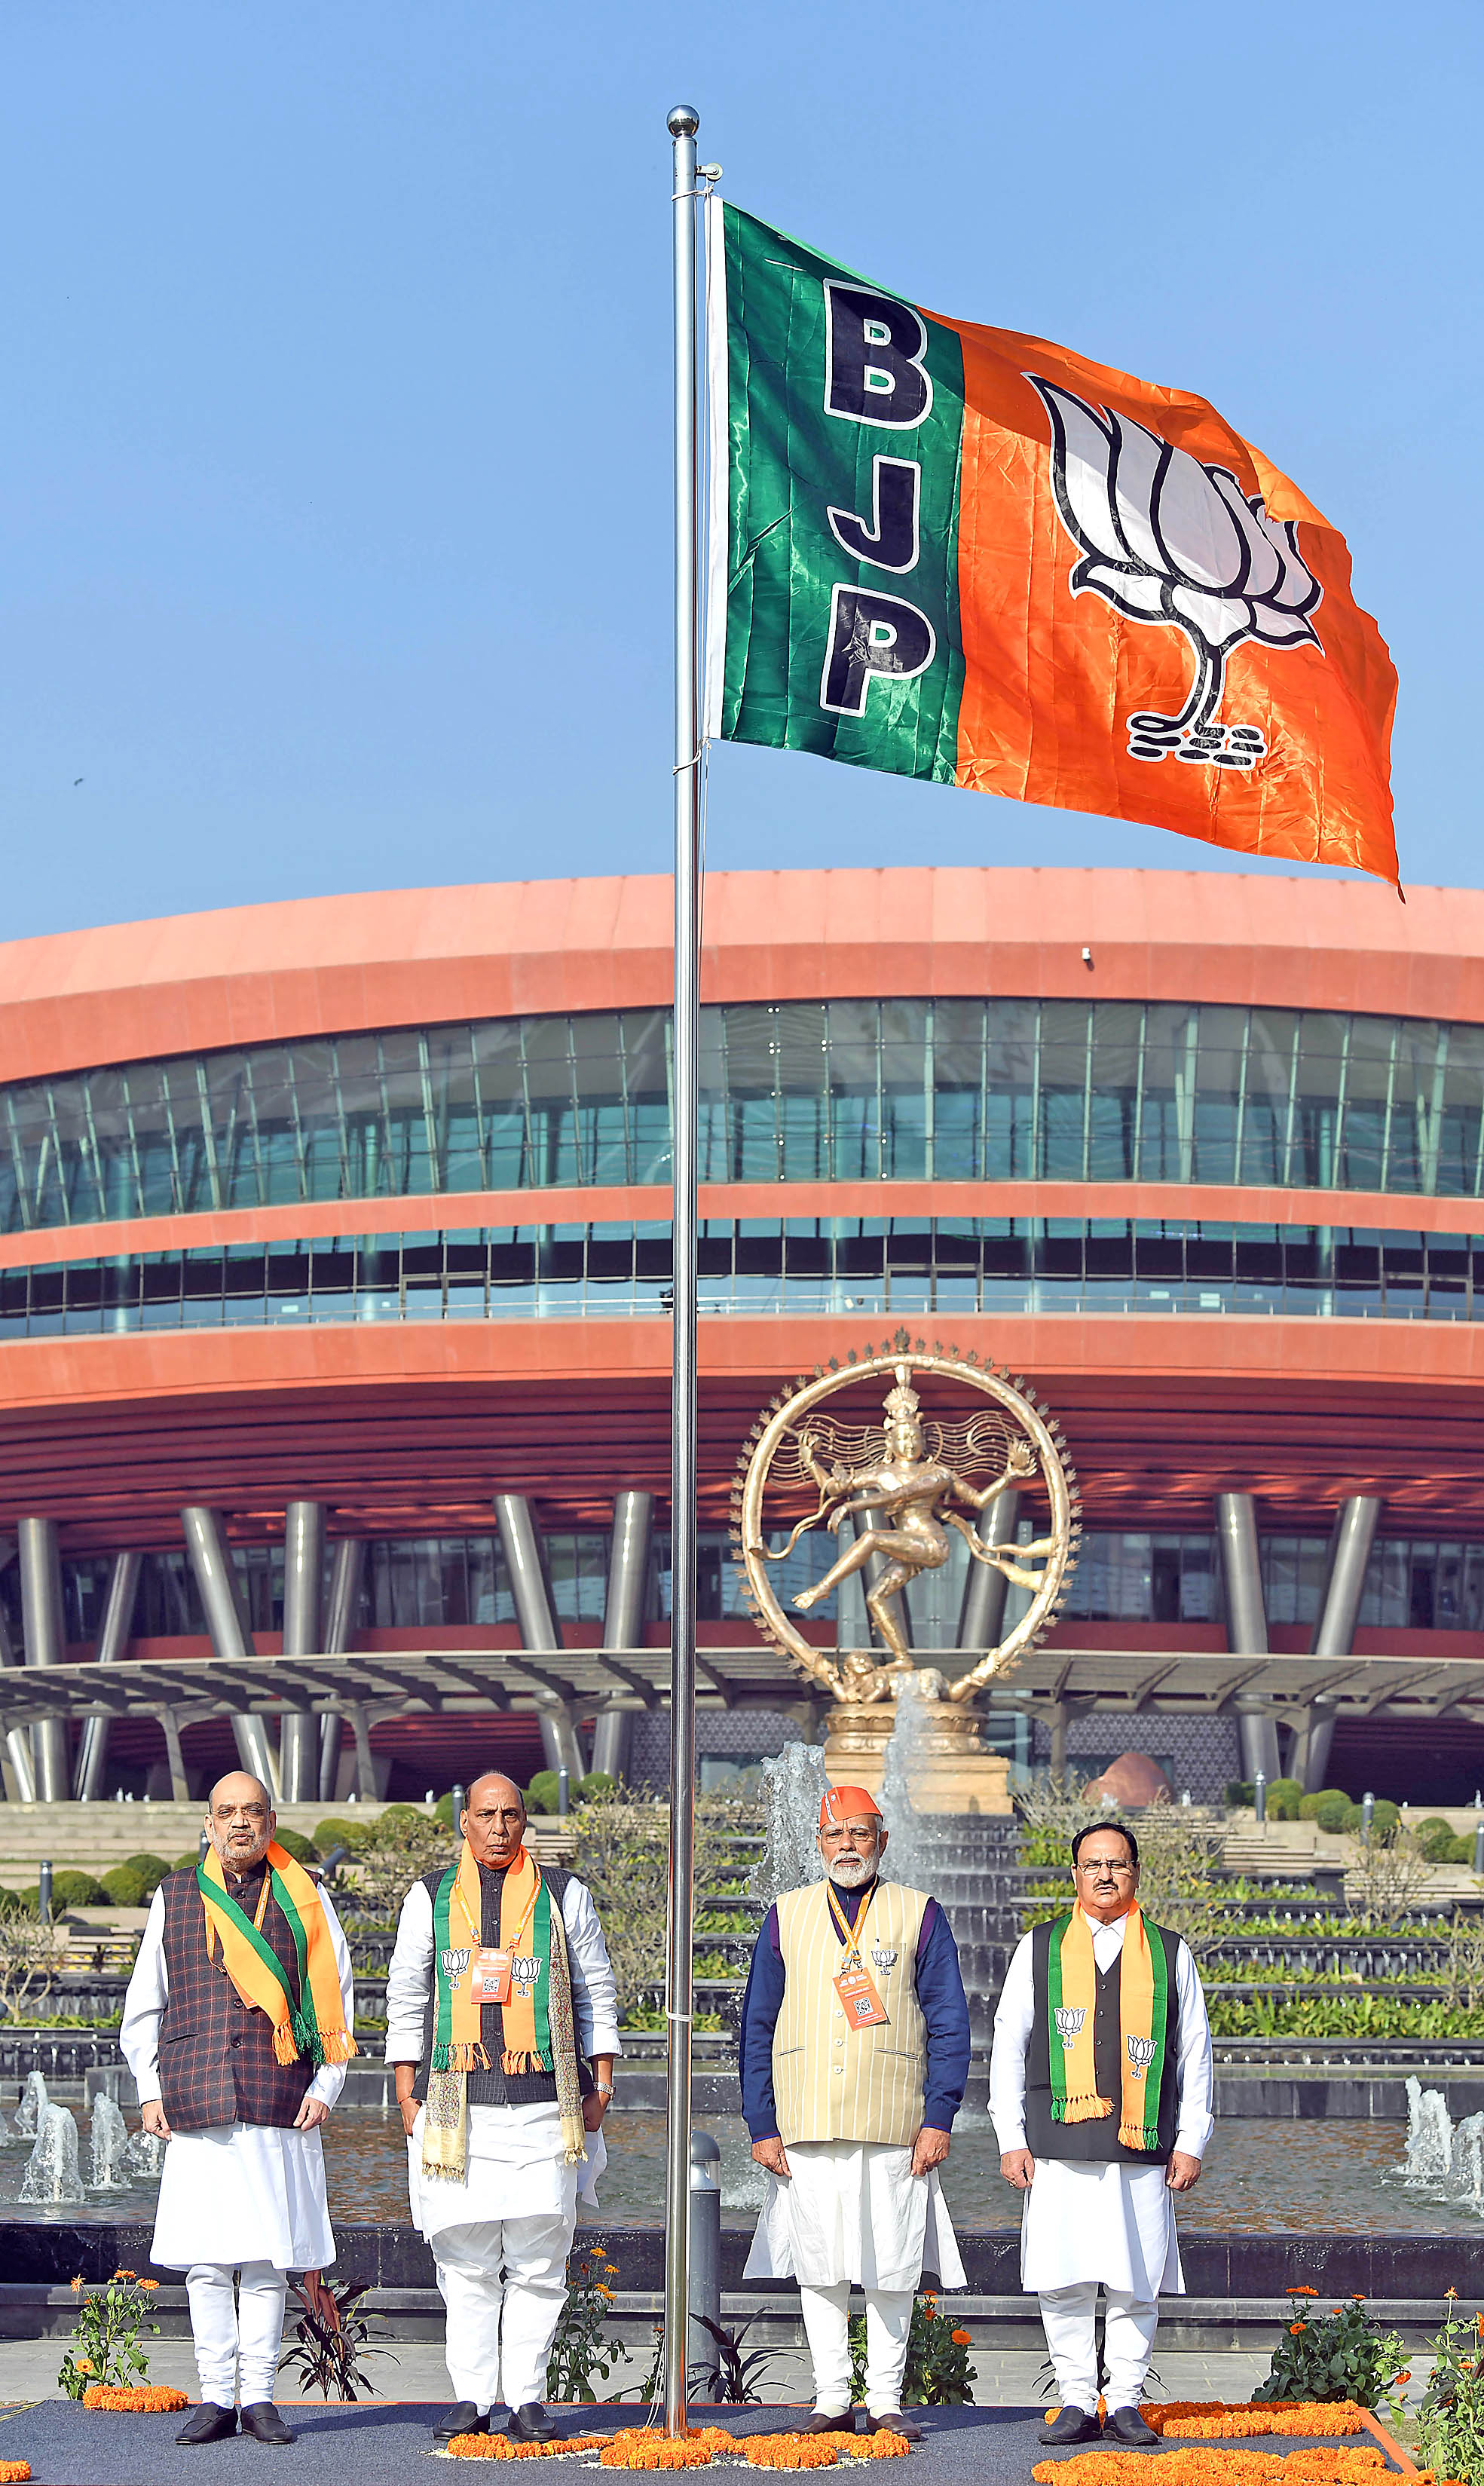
(1080, 2109)
(295, 2039)
(460, 2059)
(1140, 2136)
(515, 2064)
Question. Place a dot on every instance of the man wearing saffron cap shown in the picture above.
(853, 2056)
(503, 2025)
(237, 2029)
(1100, 2090)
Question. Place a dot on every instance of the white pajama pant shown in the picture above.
(237, 2334)
(827, 2329)
(503, 2285)
(1069, 2316)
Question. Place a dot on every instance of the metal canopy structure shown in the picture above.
(397, 1682)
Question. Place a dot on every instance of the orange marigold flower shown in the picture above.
(76, 2286)
(599, 2289)
(138, 2399)
(1402, 2378)
(1294, 2328)
(960, 2338)
(1293, 2290)
(18, 2469)
(1450, 2291)
(85, 2364)
(124, 2273)
(148, 2283)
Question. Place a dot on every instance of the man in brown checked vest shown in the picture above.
(853, 2056)
(236, 2028)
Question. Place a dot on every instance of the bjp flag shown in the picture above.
(957, 553)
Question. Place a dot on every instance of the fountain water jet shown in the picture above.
(51, 2171)
(793, 1787)
(1441, 2156)
(33, 2106)
(108, 2142)
(144, 2153)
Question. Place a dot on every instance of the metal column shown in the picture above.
(1247, 1627)
(623, 1621)
(41, 1605)
(1351, 1540)
(299, 1758)
(348, 1573)
(521, 1545)
(680, 1982)
(981, 1617)
(211, 1561)
(17, 1743)
(114, 1633)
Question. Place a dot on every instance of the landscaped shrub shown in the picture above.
(72, 1888)
(542, 1794)
(1284, 1797)
(294, 1843)
(1331, 1808)
(151, 1869)
(1386, 1820)
(337, 1831)
(125, 1888)
(596, 1783)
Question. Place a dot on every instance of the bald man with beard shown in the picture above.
(237, 2028)
(503, 2025)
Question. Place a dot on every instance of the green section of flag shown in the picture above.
(789, 461)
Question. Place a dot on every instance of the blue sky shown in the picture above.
(335, 445)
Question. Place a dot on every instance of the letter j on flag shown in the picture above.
(957, 553)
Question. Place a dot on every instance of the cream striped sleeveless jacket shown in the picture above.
(830, 2082)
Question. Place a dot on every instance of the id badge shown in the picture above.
(489, 1976)
(861, 2001)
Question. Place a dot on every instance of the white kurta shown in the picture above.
(241, 2192)
(1111, 2224)
(514, 2164)
(853, 2210)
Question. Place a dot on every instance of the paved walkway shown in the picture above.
(386, 2445)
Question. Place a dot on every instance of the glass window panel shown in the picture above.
(1463, 1098)
(853, 1068)
(455, 1119)
(1416, 1099)
(646, 1082)
(501, 1092)
(273, 1112)
(1167, 1126)
(1367, 1087)
(117, 1188)
(1009, 1082)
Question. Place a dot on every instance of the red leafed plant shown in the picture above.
(334, 2338)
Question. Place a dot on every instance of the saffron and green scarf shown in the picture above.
(1143, 2014)
(538, 2026)
(312, 2022)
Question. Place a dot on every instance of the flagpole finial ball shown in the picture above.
(684, 122)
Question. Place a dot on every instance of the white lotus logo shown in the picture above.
(1170, 542)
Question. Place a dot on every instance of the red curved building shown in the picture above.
(343, 1223)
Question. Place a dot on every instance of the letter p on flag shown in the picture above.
(1107, 599)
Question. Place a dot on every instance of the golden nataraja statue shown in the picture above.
(920, 1490)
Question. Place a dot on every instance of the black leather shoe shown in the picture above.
(262, 2422)
(1126, 2425)
(1072, 2425)
(895, 2421)
(463, 2417)
(816, 2422)
(208, 2423)
(531, 2424)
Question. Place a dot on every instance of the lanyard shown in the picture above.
(477, 1931)
(850, 1939)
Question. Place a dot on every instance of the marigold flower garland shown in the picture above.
(134, 2399)
(1225, 2421)
(637, 2446)
(1314, 2464)
(18, 2471)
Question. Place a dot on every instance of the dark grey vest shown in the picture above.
(216, 2060)
(496, 2087)
(1097, 2140)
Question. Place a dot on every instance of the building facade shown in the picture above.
(334, 1302)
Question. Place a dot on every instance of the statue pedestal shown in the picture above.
(950, 1770)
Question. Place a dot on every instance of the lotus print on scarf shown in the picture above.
(1170, 542)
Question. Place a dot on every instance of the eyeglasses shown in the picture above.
(1102, 1864)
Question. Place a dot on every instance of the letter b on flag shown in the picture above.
(873, 359)
(871, 634)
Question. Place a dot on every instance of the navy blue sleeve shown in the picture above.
(761, 2005)
(944, 2008)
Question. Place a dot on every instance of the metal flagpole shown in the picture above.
(683, 125)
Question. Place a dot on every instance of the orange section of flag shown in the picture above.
(1141, 639)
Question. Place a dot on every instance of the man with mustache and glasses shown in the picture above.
(853, 2056)
(1101, 2093)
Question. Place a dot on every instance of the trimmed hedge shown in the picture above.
(1284, 1797)
(71, 1888)
(151, 1869)
(125, 1888)
(336, 1830)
